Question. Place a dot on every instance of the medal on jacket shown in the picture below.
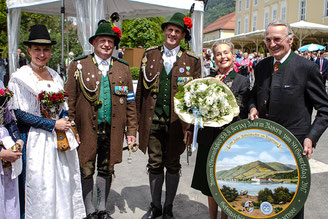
(188, 69)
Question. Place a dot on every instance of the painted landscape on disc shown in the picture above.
(255, 168)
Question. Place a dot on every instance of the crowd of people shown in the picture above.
(55, 135)
(243, 63)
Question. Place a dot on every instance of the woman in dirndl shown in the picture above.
(51, 176)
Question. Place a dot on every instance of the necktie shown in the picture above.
(276, 65)
(168, 62)
(321, 61)
(169, 53)
(104, 62)
(104, 67)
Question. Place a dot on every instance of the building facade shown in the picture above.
(221, 28)
(252, 15)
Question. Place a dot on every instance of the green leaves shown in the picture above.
(146, 32)
(216, 9)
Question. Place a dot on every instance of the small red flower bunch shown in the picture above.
(117, 31)
(6, 92)
(51, 101)
(5, 95)
(187, 22)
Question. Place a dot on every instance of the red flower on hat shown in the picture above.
(187, 22)
(117, 31)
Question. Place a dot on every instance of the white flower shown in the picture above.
(209, 100)
(213, 99)
(202, 87)
(187, 98)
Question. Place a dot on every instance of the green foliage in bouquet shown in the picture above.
(214, 101)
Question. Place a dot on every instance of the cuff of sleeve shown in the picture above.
(313, 135)
(50, 125)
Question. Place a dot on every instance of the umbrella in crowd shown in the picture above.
(311, 47)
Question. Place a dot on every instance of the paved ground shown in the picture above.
(130, 191)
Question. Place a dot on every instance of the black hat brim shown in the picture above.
(28, 43)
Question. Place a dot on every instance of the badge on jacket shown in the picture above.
(184, 80)
(130, 96)
(121, 90)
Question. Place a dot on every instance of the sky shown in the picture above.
(252, 149)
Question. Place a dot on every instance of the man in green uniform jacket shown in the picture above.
(163, 68)
(102, 104)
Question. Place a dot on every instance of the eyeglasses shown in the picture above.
(276, 40)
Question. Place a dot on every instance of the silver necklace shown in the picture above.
(37, 67)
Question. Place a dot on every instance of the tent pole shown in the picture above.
(10, 56)
(62, 67)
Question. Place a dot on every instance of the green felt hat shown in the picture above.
(105, 29)
(178, 20)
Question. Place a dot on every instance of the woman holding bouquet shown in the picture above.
(239, 85)
(52, 176)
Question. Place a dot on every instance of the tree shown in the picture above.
(265, 195)
(3, 25)
(216, 9)
(229, 194)
(146, 32)
(281, 194)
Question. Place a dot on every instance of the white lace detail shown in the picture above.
(26, 88)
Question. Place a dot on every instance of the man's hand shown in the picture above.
(131, 139)
(307, 148)
(188, 137)
(253, 114)
(78, 138)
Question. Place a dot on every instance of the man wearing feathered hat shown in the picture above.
(163, 68)
(102, 104)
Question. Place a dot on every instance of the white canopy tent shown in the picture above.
(89, 12)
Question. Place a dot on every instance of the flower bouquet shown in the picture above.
(205, 102)
(51, 103)
(5, 95)
(208, 99)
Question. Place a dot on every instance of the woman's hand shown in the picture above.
(9, 155)
(62, 124)
(78, 138)
(21, 144)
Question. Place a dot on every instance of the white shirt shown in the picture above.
(283, 59)
(104, 68)
(170, 57)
